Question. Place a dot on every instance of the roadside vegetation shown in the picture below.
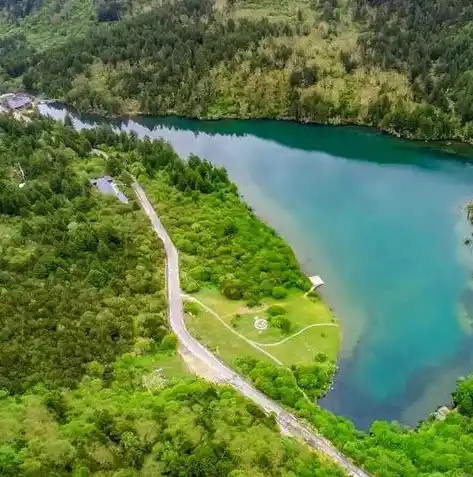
(222, 243)
(76, 281)
(90, 381)
(435, 448)
(236, 265)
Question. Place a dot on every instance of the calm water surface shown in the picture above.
(382, 221)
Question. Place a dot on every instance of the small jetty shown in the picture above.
(316, 281)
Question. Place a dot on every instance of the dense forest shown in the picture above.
(73, 271)
(403, 65)
(224, 245)
(112, 429)
(85, 382)
(72, 274)
(103, 10)
(90, 382)
(19, 8)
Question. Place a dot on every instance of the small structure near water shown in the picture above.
(15, 101)
(106, 185)
(441, 413)
(316, 283)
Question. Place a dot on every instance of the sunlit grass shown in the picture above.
(220, 340)
(300, 311)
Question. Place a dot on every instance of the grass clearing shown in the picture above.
(170, 365)
(220, 340)
(303, 348)
(300, 311)
(153, 370)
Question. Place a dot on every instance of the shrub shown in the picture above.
(279, 293)
(169, 342)
(252, 302)
(235, 320)
(282, 323)
(192, 308)
(463, 397)
(233, 290)
(189, 285)
(275, 310)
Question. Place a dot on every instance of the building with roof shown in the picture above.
(18, 102)
(316, 283)
(441, 413)
(15, 102)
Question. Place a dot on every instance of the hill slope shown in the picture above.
(402, 66)
(89, 380)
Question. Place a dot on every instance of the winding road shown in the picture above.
(287, 421)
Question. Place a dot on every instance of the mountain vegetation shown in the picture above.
(223, 244)
(82, 309)
(403, 66)
(86, 384)
(72, 272)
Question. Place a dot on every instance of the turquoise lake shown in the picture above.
(383, 221)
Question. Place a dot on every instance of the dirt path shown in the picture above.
(255, 344)
(315, 325)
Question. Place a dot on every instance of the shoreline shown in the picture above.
(451, 147)
(263, 219)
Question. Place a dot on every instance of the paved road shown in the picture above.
(176, 315)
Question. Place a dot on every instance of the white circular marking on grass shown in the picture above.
(261, 324)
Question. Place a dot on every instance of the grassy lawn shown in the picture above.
(170, 365)
(300, 311)
(210, 332)
(303, 348)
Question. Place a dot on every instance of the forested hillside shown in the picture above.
(12, 9)
(74, 270)
(90, 382)
(403, 66)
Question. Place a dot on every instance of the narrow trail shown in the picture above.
(255, 344)
(315, 325)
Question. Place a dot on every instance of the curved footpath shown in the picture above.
(176, 316)
(251, 342)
